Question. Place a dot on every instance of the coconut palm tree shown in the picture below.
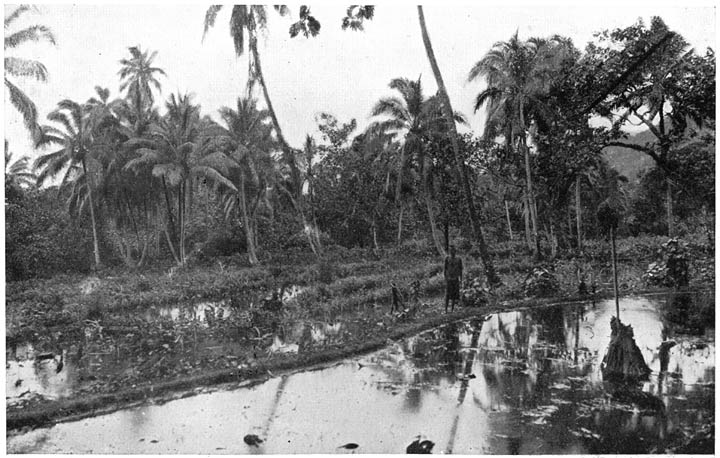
(138, 76)
(77, 158)
(18, 175)
(519, 75)
(19, 67)
(129, 197)
(178, 152)
(249, 20)
(246, 21)
(447, 111)
(407, 115)
(410, 117)
(247, 140)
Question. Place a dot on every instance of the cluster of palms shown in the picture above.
(146, 167)
(136, 172)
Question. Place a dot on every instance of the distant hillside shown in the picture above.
(627, 162)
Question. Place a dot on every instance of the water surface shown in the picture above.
(517, 382)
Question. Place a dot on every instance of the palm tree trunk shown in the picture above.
(96, 245)
(181, 223)
(529, 187)
(433, 229)
(578, 212)
(288, 153)
(669, 206)
(446, 107)
(507, 216)
(446, 233)
(401, 169)
(249, 236)
(526, 219)
(400, 222)
(431, 214)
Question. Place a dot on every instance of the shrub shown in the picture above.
(325, 272)
(475, 294)
(673, 269)
(540, 283)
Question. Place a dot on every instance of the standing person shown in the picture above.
(453, 274)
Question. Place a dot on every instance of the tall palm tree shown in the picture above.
(18, 175)
(518, 74)
(77, 157)
(138, 76)
(250, 20)
(18, 67)
(410, 117)
(177, 153)
(247, 140)
(407, 115)
(447, 111)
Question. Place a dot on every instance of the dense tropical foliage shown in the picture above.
(147, 182)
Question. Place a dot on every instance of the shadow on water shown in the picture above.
(519, 382)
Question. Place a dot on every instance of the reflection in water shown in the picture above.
(523, 382)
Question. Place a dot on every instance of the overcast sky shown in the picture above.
(340, 72)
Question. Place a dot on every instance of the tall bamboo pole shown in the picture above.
(614, 266)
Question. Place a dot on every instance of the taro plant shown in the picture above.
(673, 268)
(475, 293)
(541, 283)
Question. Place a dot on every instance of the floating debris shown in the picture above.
(252, 440)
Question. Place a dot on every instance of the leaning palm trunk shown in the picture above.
(96, 245)
(311, 232)
(447, 111)
(433, 228)
(288, 152)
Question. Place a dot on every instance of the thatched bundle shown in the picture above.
(623, 361)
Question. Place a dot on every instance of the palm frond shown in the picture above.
(25, 107)
(239, 21)
(34, 33)
(17, 13)
(393, 107)
(213, 176)
(147, 157)
(172, 173)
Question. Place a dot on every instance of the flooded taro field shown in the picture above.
(518, 382)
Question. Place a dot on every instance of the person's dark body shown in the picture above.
(397, 301)
(453, 274)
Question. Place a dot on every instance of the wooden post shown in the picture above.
(614, 266)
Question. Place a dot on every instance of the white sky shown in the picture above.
(340, 72)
